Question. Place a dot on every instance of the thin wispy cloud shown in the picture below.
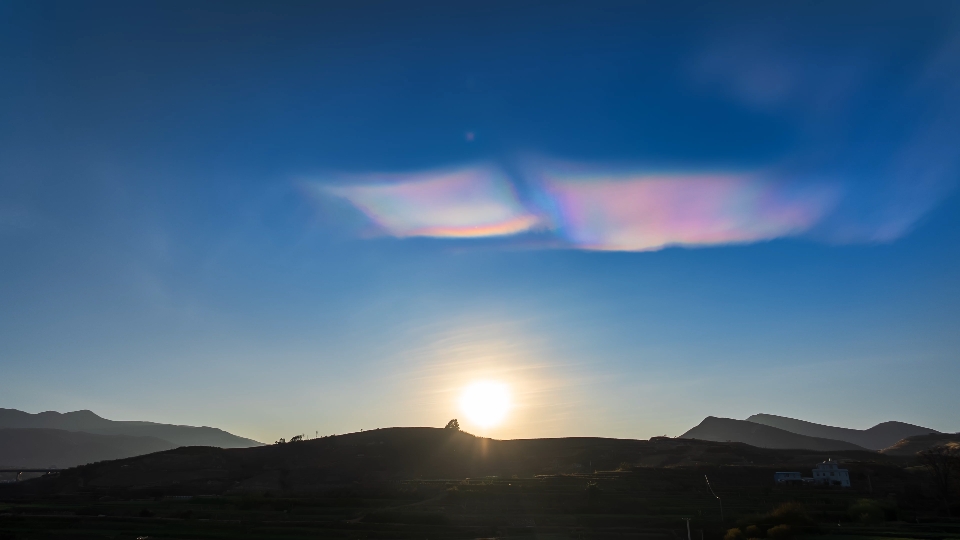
(764, 71)
(892, 141)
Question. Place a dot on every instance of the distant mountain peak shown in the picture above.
(878, 437)
(81, 414)
(717, 429)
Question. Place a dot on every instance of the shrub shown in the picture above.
(780, 532)
(753, 532)
(593, 490)
(791, 513)
(867, 511)
(733, 534)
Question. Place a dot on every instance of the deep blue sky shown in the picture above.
(173, 246)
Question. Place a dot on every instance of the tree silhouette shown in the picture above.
(453, 424)
(944, 463)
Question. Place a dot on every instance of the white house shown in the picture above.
(787, 478)
(830, 473)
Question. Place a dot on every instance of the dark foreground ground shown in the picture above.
(647, 503)
(333, 489)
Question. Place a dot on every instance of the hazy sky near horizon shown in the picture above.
(288, 217)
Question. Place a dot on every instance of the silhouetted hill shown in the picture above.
(91, 423)
(385, 456)
(44, 448)
(911, 445)
(728, 429)
(878, 437)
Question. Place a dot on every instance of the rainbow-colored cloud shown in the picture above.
(643, 211)
(587, 207)
(471, 202)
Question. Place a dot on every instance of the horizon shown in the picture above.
(318, 435)
(545, 220)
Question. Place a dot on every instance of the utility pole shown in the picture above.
(715, 495)
(688, 528)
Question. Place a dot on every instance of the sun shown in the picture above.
(486, 403)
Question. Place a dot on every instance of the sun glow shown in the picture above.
(485, 403)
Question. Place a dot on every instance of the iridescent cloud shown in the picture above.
(641, 212)
(586, 207)
(462, 203)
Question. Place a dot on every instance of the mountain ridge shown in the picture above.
(89, 422)
(58, 448)
(717, 429)
(878, 437)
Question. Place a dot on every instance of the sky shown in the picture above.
(316, 217)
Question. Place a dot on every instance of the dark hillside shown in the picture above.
(416, 483)
(388, 455)
(911, 445)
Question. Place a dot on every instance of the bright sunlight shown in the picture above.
(486, 403)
